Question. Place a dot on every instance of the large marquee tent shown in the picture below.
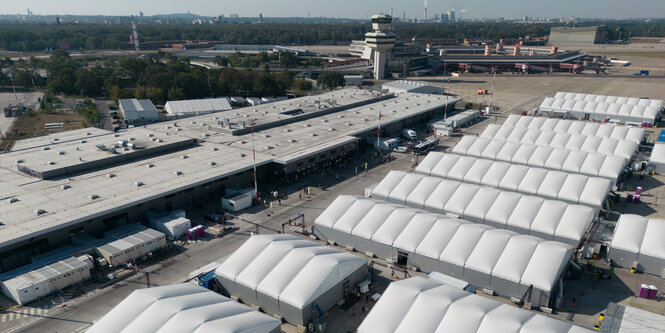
(557, 125)
(640, 240)
(426, 306)
(286, 275)
(502, 260)
(548, 219)
(549, 184)
(183, 308)
(602, 108)
(577, 142)
(586, 163)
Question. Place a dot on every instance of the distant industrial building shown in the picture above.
(403, 86)
(578, 35)
(138, 110)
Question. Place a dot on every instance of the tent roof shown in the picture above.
(461, 243)
(275, 265)
(475, 202)
(562, 139)
(575, 161)
(638, 234)
(422, 305)
(183, 308)
(551, 184)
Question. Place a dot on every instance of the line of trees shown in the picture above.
(40, 36)
(159, 77)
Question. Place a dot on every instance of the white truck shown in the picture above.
(409, 134)
(384, 143)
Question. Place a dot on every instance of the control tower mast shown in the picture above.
(380, 40)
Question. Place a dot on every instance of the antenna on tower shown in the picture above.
(425, 17)
(135, 36)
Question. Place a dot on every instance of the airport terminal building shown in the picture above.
(91, 181)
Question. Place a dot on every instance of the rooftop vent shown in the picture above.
(184, 156)
(83, 141)
(167, 127)
(51, 163)
(308, 125)
(19, 161)
(265, 135)
(88, 133)
(341, 116)
(314, 134)
(267, 147)
(116, 135)
(138, 184)
(213, 163)
(46, 148)
(132, 139)
(177, 173)
(150, 165)
(331, 129)
(215, 149)
(94, 196)
(324, 120)
(40, 211)
(193, 122)
(287, 130)
(66, 186)
(13, 200)
(150, 135)
(110, 175)
(205, 135)
(56, 139)
(292, 140)
(242, 155)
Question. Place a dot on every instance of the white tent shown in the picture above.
(602, 108)
(624, 133)
(183, 308)
(477, 204)
(562, 140)
(454, 247)
(657, 158)
(550, 184)
(639, 240)
(586, 163)
(286, 275)
(424, 305)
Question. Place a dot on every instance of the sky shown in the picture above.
(346, 8)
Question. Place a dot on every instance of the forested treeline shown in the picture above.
(159, 77)
(40, 36)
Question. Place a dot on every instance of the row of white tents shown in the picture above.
(548, 219)
(501, 260)
(623, 133)
(586, 163)
(639, 242)
(289, 276)
(577, 142)
(426, 306)
(601, 108)
(549, 184)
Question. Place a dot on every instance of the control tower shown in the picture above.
(381, 40)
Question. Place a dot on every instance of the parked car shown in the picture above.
(113, 107)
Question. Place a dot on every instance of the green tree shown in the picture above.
(175, 94)
(289, 59)
(117, 93)
(87, 82)
(331, 80)
(302, 85)
(22, 79)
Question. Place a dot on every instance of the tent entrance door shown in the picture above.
(402, 257)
